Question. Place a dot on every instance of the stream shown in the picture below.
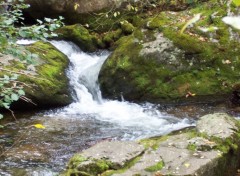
(25, 150)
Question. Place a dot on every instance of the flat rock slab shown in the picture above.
(117, 152)
(176, 162)
(150, 158)
(186, 153)
(184, 162)
(219, 125)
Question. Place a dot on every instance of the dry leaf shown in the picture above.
(40, 126)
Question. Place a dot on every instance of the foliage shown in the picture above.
(11, 29)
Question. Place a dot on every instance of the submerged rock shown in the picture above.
(187, 152)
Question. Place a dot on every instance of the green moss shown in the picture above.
(75, 161)
(112, 36)
(50, 84)
(127, 27)
(192, 147)
(80, 36)
(153, 142)
(124, 169)
(158, 22)
(92, 167)
(156, 167)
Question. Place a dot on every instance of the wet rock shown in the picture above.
(104, 156)
(219, 125)
(27, 152)
(186, 153)
(118, 153)
(184, 162)
(150, 158)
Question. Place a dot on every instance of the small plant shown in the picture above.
(12, 29)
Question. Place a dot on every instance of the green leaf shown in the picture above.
(22, 33)
(45, 35)
(39, 21)
(21, 92)
(6, 105)
(6, 77)
(1, 116)
(14, 97)
(236, 2)
(48, 20)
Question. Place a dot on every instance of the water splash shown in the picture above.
(139, 121)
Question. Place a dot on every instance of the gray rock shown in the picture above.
(173, 155)
(150, 158)
(219, 125)
(163, 50)
(185, 162)
(117, 152)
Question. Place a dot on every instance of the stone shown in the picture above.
(219, 125)
(46, 80)
(104, 156)
(148, 159)
(187, 153)
(117, 152)
(68, 9)
(158, 64)
(27, 152)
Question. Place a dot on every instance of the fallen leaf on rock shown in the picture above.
(40, 126)
(187, 165)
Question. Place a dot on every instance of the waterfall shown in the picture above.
(142, 120)
(137, 121)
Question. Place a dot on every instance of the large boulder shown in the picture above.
(46, 82)
(187, 153)
(73, 11)
(85, 11)
(80, 36)
(158, 63)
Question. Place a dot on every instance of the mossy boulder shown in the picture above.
(103, 157)
(80, 36)
(190, 151)
(157, 63)
(48, 85)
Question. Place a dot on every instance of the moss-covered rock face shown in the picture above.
(157, 63)
(47, 82)
(80, 36)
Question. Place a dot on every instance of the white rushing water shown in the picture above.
(83, 74)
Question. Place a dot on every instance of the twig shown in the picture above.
(12, 114)
(28, 100)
